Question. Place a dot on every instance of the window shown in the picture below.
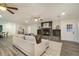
(69, 27)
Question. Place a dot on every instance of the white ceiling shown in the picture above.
(49, 11)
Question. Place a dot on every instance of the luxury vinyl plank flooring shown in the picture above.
(70, 49)
(7, 49)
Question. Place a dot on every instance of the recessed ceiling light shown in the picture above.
(0, 16)
(63, 13)
(36, 19)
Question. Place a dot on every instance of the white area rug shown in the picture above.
(54, 49)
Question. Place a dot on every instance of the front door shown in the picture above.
(69, 30)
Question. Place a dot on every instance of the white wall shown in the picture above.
(32, 28)
(11, 28)
(78, 29)
(55, 23)
(19, 26)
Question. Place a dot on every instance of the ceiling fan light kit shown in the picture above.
(2, 8)
(5, 7)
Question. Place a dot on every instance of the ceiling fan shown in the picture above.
(4, 6)
(37, 18)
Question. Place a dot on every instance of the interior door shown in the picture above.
(69, 30)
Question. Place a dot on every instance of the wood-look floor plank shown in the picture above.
(68, 49)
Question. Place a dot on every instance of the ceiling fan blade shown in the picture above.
(14, 8)
(10, 11)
